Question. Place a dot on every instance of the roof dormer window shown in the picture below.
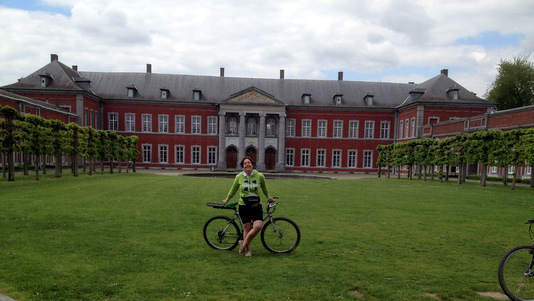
(369, 99)
(164, 94)
(132, 91)
(46, 79)
(453, 93)
(197, 94)
(306, 99)
(338, 99)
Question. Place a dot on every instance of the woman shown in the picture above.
(248, 183)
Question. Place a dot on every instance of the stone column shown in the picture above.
(261, 144)
(221, 163)
(242, 131)
(281, 164)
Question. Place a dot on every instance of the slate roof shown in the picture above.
(215, 89)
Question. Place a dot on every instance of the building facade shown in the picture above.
(210, 122)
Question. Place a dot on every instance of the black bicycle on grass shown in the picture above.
(516, 270)
(278, 234)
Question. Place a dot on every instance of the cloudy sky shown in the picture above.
(378, 40)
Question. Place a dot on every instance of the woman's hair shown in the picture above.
(247, 157)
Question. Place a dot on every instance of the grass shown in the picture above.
(139, 237)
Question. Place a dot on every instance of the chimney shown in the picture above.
(53, 57)
(148, 68)
(282, 74)
(445, 72)
(221, 72)
(340, 75)
(75, 67)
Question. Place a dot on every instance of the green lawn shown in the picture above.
(139, 237)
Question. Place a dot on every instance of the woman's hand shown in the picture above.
(224, 202)
(270, 199)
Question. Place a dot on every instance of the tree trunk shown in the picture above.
(484, 177)
(514, 176)
(58, 165)
(37, 164)
(532, 176)
(11, 167)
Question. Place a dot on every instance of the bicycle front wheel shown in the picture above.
(280, 235)
(516, 275)
(221, 233)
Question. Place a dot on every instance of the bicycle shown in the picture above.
(278, 234)
(516, 273)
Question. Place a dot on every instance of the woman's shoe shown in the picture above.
(249, 253)
(241, 248)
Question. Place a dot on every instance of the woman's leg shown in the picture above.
(248, 235)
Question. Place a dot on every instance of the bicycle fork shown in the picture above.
(529, 272)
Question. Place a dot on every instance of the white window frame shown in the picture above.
(369, 129)
(412, 127)
(129, 122)
(147, 153)
(212, 125)
(290, 157)
(196, 154)
(212, 155)
(352, 156)
(305, 157)
(306, 128)
(322, 127)
(354, 126)
(367, 159)
(147, 122)
(163, 123)
(113, 121)
(179, 123)
(336, 158)
(179, 154)
(320, 158)
(385, 129)
(338, 129)
(290, 127)
(163, 153)
(196, 124)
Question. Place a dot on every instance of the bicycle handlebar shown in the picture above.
(530, 221)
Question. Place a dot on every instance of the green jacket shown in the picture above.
(248, 186)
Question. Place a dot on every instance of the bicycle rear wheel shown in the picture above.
(280, 235)
(516, 275)
(221, 233)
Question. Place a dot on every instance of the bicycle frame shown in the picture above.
(268, 215)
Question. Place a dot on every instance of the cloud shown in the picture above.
(409, 40)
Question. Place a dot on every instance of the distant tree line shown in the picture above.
(36, 139)
(489, 148)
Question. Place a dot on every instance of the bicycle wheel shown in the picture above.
(280, 235)
(221, 233)
(516, 275)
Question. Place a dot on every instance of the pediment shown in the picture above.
(253, 96)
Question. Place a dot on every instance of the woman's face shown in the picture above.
(247, 166)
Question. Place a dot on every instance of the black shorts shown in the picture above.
(249, 215)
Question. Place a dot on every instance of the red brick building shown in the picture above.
(210, 122)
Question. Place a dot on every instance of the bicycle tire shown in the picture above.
(221, 233)
(515, 278)
(282, 237)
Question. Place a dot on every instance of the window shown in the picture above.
(412, 128)
(528, 169)
(270, 127)
(212, 155)
(195, 154)
(406, 128)
(164, 94)
(369, 99)
(252, 125)
(290, 127)
(131, 92)
(129, 122)
(305, 157)
(212, 125)
(367, 159)
(336, 158)
(306, 99)
(163, 153)
(86, 117)
(369, 129)
(96, 119)
(197, 94)
(232, 126)
(290, 157)
(354, 128)
(179, 121)
(179, 154)
(163, 123)
(196, 124)
(147, 122)
(353, 157)
(338, 99)
(401, 129)
(113, 121)
(338, 129)
(91, 114)
(306, 128)
(321, 128)
(384, 129)
(511, 169)
(321, 158)
(147, 153)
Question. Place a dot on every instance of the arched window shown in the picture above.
(270, 127)
(252, 126)
(232, 126)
